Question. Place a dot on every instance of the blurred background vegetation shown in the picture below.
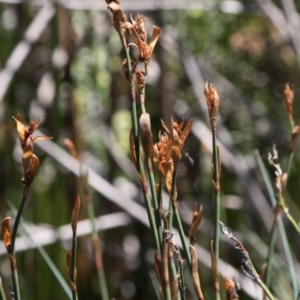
(61, 62)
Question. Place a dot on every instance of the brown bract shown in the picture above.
(138, 36)
(136, 30)
(119, 18)
(213, 104)
(167, 152)
(288, 99)
(29, 160)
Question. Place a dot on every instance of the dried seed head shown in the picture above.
(139, 26)
(140, 78)
(288, 99)
(213, 104)
(29, 160)
(145, 134)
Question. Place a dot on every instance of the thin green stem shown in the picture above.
(95, 238)
(73, 266)
(154, 199)
(286, 212)
(16, 225)
(151, 220)
(15, 280)
(14, 274)
(159, 194)
(281, 227)
(182, 237)
(45, 255)
(2, 294)
(266, 290)
(270, 254)
(289, 165)
(216, 181)
(172, 199)
(140, 166)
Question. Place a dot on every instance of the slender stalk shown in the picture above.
(216, 180)
(73, 266)
(15, 281)
(286, 213)
(151, 220)
(95, 238)
(182, 237)
(2, 294)
(154, 199)
(266, 290)
(174, 212)
(172, 199)
(270, 254)
(14, 274)
(16, 224)
(281, 227)
(97, 252)
(137, 145)
(45, 255)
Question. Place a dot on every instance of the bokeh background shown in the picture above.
(61, 62)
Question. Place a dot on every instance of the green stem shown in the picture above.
(271, 252)
(73, 266)
(16, 225)
(266, 290)
(172, 199)
(154, 199)
(286, 212)
(95, 238)
(281, 227)
(15, 281)
(45, 255)
(97, 253)
(216, 181)
(182, 236)
(2, 294)
(14, 274)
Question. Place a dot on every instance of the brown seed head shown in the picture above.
(213, 104)
(29, 160)
(288, 99)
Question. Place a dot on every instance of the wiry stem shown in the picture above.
(281, 228)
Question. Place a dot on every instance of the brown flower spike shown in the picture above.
(213, 104)
(29, 160)
(167, 152)
(137, 32)
(288, 100)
